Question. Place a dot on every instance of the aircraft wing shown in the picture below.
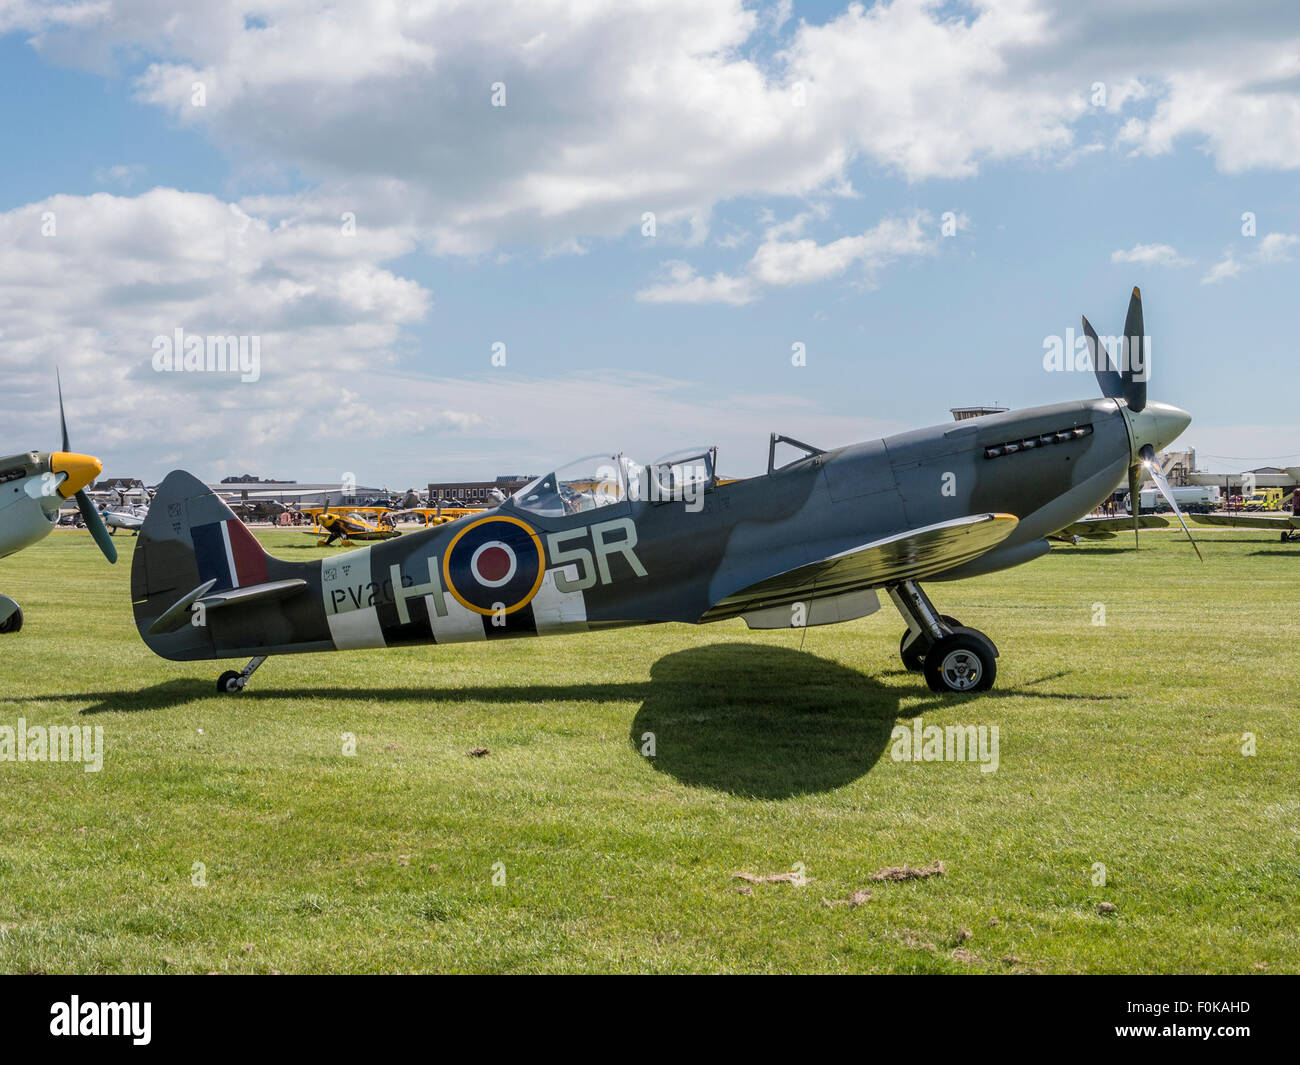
(1280, 522)
(1106, 528)
(910, 555)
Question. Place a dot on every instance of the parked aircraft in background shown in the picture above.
(125, 516)
(33, 488)
(1106, 527)
(1287, 526)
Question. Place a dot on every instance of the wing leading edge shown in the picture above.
(910, 555)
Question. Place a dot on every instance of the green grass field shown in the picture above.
(1119, 744)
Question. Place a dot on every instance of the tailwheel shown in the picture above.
(13, 622)
(912, 649)
(232, 682)
(961, 664)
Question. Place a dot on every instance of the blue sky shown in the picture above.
(522, 225)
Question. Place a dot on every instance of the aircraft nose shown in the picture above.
(81, 470)
(1159, 425)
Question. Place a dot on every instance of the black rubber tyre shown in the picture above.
(228, 683)
(960, 664)
(914, 656)
(13, 622)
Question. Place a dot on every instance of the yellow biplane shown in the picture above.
(350, 525)
(374, 523)
(431, 516)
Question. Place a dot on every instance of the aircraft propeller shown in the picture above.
(88, 512)
(1148, 456)
(1128, 382)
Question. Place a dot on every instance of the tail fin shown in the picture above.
(191, 545)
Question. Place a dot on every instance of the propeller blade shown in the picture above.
(88, 512)
(1135, 369)
(96, 526)
(63, 422)
(1148, 456)
(1112, 385)
(1135, 500)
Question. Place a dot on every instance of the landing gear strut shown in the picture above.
(232, 682)
(955, 659)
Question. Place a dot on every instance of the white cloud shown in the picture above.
(1246, 127)
(1225, 268)
(1150, 255)
(674, 106)
(612, 109)
(88, 283)
(1273, 248)
(681, 284)
(1276, 247)
(335, 387)
(781, 262)
(122, 175)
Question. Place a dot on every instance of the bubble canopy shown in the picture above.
(581, 485)
(604, 480)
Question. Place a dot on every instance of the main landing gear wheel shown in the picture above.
(913, 654)
(13, 622)
(960, 664)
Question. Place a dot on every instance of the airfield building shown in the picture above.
(475, 492)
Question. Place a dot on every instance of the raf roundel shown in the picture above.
(494, 564)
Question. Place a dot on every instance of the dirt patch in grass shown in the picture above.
(909, 872)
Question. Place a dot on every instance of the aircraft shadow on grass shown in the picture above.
(750, 719)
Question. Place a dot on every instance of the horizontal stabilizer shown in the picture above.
(178, 614)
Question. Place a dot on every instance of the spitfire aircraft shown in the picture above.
(607, 542)
(1106, 527)
(1286, 524)
(33, 488)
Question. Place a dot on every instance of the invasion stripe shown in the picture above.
(556, 611)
